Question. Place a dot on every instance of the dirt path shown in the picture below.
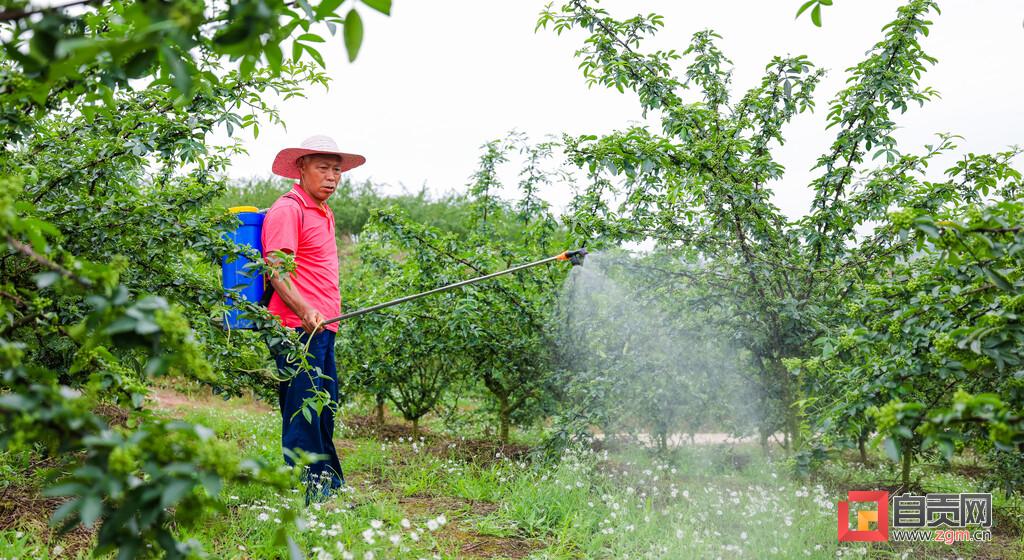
(170, 399)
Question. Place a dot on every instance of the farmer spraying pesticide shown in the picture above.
(300, 223)
(308, 300)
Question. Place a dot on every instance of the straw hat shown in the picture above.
(286, 162)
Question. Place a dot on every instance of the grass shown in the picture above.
(441, 497)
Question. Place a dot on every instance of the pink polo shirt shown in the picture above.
(305, 230)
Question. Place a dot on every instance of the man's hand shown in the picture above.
(312, 320)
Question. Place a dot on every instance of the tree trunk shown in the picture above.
(503, 417)
(863, 449)
(793, 427)
(415, 427)
(908, 460)
(380, 411)
(764, 427)
(790, 393)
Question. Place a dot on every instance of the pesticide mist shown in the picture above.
(647, 357)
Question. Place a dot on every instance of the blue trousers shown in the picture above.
(315, 435)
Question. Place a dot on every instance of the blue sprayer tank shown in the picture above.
(233, 274)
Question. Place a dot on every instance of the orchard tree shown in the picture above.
(514, 360)
(701, 186)
(932, 350)
(494, 335)
(916, 333)
(409, 354)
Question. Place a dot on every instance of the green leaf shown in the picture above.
(382, 6)
(327, 8)
(139, 64)
(816, 15)
(203, 432)
(294, 552)
(174, 491)
(998, 279)
(145, 326)
(128, 549)
(14, 401)
(90, 510)
(46, 279)
(69, 489)
(212, 483)
(248, 65)
(947, 448)
(122, 324)
(178, 69)
(316, 55)
(927, 225)
(891, 449)
(274, 55)
(304, 4)
(63, 511)
(353, 34)
(804, 8)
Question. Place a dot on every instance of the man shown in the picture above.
(300, 223)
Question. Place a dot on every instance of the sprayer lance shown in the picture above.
(574, 257)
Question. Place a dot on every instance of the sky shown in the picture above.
(436, 80)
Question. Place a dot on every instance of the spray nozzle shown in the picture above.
(574, 257)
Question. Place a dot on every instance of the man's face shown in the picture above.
(319, 175)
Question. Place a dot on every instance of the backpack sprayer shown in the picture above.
(234, 274)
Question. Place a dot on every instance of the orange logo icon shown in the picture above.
(879, 516)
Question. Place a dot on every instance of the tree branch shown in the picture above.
(16, 15)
